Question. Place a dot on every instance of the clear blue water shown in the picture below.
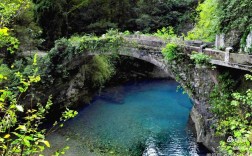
(126, 119)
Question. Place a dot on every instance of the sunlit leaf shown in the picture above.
(6, 136)
(26, 142)
(4, 31)
(22, 127)
(20, 108)
(46, 143)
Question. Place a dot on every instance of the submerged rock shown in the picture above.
(113, 95)
(151, 149)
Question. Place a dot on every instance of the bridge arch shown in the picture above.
(150, 59)
(147, 58)
(153, 57)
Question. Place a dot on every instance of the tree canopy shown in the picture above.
(60, 18)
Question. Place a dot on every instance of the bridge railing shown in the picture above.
(219, 57)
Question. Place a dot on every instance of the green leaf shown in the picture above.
(2, 99)
(21, 89)
(26, 142)
(22, 127)
(237, 134)
(6, 136)
(46, 143)
(20, 108)
(18, 135)
(29, 138)
(235, 103)
(35, 59)
(1, 140)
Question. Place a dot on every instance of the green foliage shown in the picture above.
(52, 17)
(171, 51)
(26, 30)
(236, 21)
(109, 42)
(208, 21)
(243, 43)
(10, 9)
(61, 18)
(231, 17)
(235, 15)
(200, 58)
(20, 132)
(220, 104)
(180, 64)
(165, 33)
(5, 71)
(7, 41)
(153, 15)
(127, 32)
(233, 110)
(59, 63)
(57, 60)
(100, 69)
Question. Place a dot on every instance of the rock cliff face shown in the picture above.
(204, 81)
(204, 133)
(203, 120)
(234, 39)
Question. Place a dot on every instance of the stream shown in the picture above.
(148, 118)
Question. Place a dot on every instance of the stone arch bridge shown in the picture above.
(148, 48)
(197, 82)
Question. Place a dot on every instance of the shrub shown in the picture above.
(100, 69)
(233, 110)
(20, 131)
(200, 58)
(165, 33)
(171, 51)
(208, 21)
(8, 41)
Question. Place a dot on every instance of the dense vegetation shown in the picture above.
(233, 110)
(22, 112)
(24, 102)
(230, 17)
(63, 18)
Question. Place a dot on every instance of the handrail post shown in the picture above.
(203, 46)
(220, 41)
(227, 54)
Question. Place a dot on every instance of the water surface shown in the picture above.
(126, 119)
